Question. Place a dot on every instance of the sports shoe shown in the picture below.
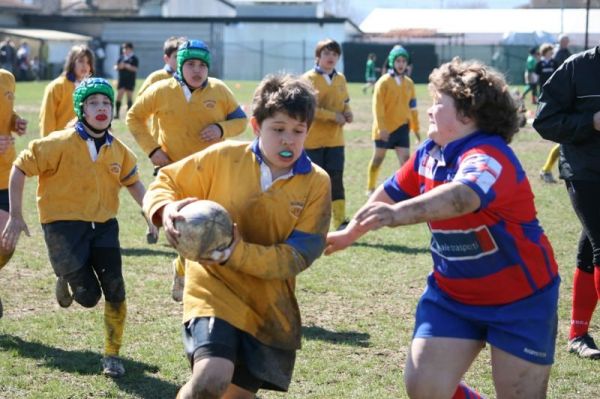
(177, 287)
(112, 367)
(62, 292)
(584, 347)
(547, 177)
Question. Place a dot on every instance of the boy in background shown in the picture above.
(192, 111)
(394, 114)
(126, 66)
(80, 172)
(325, 142)
(10, 123)
(241, 319)
(57, 105)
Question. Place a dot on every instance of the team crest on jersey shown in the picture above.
(296, 208)
(463, 244)
(10, 96)
(210, 103)
(115, 168)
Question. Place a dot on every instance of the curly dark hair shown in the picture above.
(479, 93)
(286, 93)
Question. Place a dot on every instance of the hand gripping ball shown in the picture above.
(206, 227)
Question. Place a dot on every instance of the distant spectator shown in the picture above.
(8, 55)
(562, 53)
(23, 61)
(546, 65)
(127, 66)
(531, 78)
(35, 67)
(370, 73)
(98, 47)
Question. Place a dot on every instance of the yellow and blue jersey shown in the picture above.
(57, 105)
(283, 231)
(71, 184)
(332, 97)
(394, 104)
(8, 119)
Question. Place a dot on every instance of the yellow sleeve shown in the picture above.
(39, 158)
(166, 186)
(137, 121)
(48, 110)
(346, 97)
(414, 113)
(129, 171)
(305, 244)
(236, 121)
(379, 105)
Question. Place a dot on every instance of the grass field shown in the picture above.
(357, 305)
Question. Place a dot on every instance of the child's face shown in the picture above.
(400, 64)
(444, 124)
(281, 140)
(82, 67)
(97, 111)
(171, 60)
(328, 59)
(195, 72)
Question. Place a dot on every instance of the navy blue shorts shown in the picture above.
(257, 366)
(329, 158)
(525, 328)
(4, 203)
(398, 138)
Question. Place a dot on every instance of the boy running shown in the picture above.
(80, 172)
(241, 318)
(192, 112)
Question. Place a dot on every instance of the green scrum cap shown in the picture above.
(192, 49)
(397, 51)
(88, 87)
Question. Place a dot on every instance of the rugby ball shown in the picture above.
(206, 227)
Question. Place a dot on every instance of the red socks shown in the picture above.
(464, 392)
(586, 289)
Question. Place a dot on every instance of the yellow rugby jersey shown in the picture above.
(8, 118)
(180, 121)
(283, 231)
(394, 105)
(57, 105)
(154, 77)
(71, 186)
(331, 98)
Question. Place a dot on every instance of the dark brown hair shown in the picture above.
(290, 94)
(480, 93)
(77, 52)
(328, 44)
(172, 44)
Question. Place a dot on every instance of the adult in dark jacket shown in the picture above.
(569, 113)
(563, 51)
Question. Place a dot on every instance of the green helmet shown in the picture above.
(192, 49)
(397, 51)
(88, 87)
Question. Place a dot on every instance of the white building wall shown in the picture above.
(195, 8)
(253, 50)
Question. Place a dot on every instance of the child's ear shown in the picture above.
(255, 126)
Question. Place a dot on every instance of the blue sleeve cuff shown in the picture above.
(393, 190)
(237, 114)
(309, 246)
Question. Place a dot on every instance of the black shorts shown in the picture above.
(127, 83)
(329, 158)
(70, 243)
(398, 138)
(257, 366)
(4, 203)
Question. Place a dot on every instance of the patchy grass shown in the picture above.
(357, 305)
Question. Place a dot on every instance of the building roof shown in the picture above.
(45, 34)
(383, 20)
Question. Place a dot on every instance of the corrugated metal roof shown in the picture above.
(45, 34)
(382, 20)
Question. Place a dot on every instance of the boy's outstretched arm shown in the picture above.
(339, 240)
(16, 224)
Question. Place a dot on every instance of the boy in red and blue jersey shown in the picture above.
(494, 276)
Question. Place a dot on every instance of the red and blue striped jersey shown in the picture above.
(497, 254)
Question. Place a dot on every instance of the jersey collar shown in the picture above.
(302, 166)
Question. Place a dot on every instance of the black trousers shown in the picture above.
(584, 197)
